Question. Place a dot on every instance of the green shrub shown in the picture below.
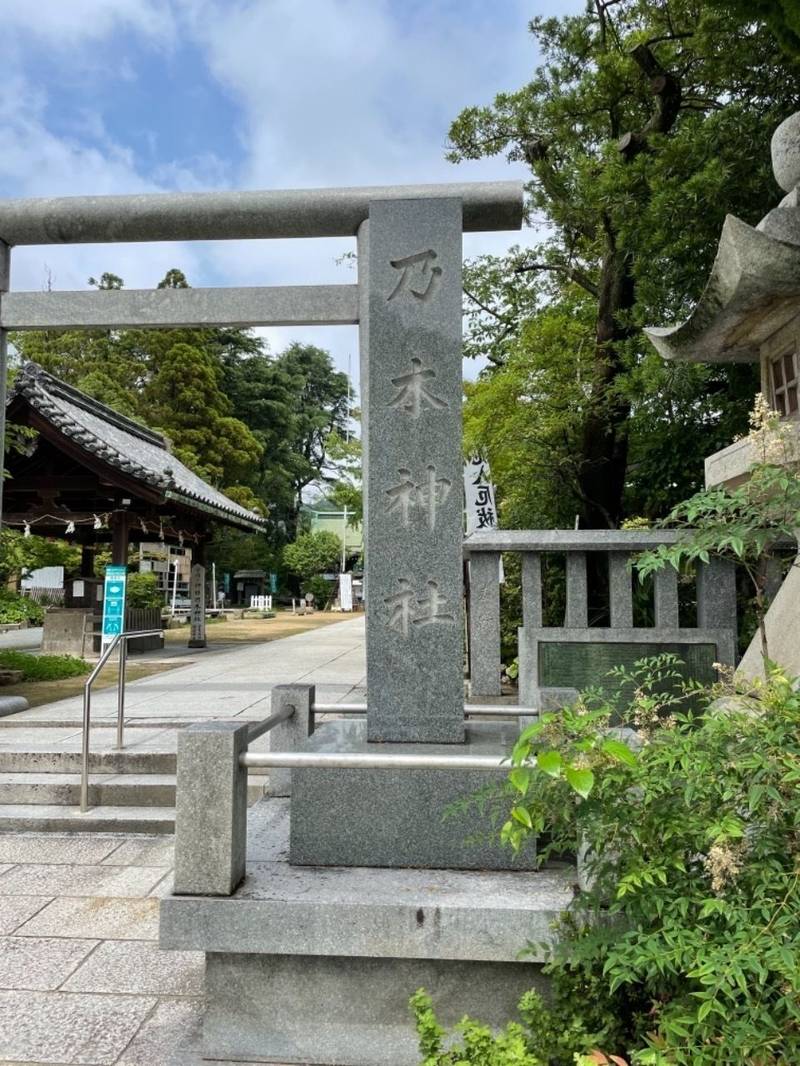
(15, 608)
(478, 1046)
(686, 948)
(532, 1042)
(43, 667)
(143, 592)
(321, 589)
(313, 553)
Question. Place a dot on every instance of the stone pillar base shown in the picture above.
(312, 1009)
(380, 818)
(311, 965)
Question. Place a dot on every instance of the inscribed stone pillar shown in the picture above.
(410, 316)
(197, 610)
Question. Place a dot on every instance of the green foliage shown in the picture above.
(313, 553)
(43, 667)
(142, 591)
(293, 403)
(253, 424)
(321, 589)
(15, 608)
(689, 934)
(782, 17)
(346, 491)
(541, 1039)
(746, 525)
(643, 126)
(185, 400)
(478, 1045)
(19, 555)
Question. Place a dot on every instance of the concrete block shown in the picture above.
(291, 734)
(211, 809)
(401, 818)
(783, 632)
(290, 1009)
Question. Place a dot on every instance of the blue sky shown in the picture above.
(115, 96)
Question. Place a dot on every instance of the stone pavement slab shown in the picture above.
(50, 848)
(63, 880)
(16, 910)
(142, 853)
(163, 1039)
(90, 916)
(40, 963)
(131, 966)
(57, 1027)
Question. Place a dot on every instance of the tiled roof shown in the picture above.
(125, 445)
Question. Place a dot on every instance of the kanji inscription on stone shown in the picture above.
(410, 322)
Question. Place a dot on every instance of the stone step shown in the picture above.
(114, 790)
(41, 759)
(48, 818)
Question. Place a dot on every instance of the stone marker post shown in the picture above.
(409, 254)
(197, 609)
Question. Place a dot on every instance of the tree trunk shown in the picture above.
(604, 451)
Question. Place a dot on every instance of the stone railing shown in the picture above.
(542, 647)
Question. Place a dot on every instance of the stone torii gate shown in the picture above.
(408, 305)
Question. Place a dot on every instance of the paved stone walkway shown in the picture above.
(82, 980)
(231, 681)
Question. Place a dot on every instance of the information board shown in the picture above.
(114, 602)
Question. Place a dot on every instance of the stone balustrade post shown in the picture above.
(291, 734)
(210, 809)
(484, 625)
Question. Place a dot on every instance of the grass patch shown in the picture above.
(38, 693)
(43, 667)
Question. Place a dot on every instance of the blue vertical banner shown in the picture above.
(114, 602)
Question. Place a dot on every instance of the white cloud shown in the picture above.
(331, 92)
(65, 23)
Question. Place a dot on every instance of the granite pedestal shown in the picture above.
(316, 965)
(385, 818)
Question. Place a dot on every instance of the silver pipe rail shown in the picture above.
(120, 639)
(497, 710)
(325, 760)
(257, 729)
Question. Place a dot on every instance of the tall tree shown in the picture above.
(646, 121)
(169, 379)
(293, 403)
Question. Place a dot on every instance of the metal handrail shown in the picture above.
(257, 729)
(498, 710)
(120, 639)
(356, 760)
